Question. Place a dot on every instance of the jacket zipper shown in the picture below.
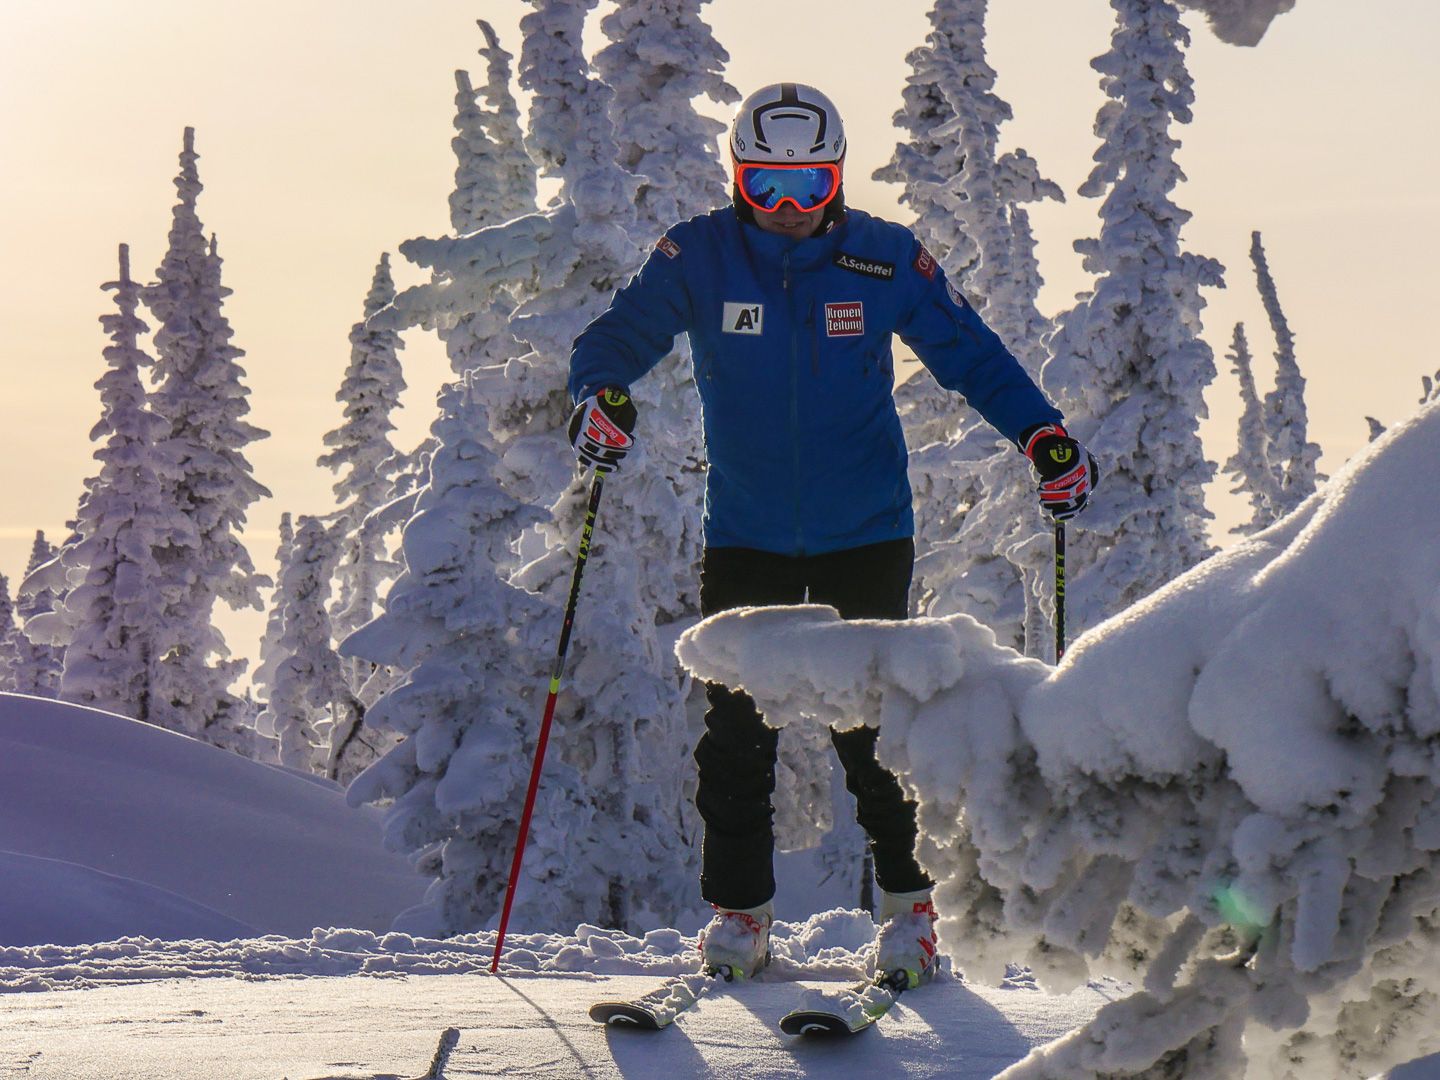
(794, 402)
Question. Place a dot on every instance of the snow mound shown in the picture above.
(1228, 792)
(47, 902)
(189, 828)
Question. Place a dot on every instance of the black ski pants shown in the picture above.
(736, 754)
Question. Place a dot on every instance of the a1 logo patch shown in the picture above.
(845, 320)
(743, 318)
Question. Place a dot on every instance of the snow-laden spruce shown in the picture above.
(1128, 366)
(39, 653)
(312, 710)
(1240, 22)
(1292, 456)
(476, 653)
(200, 393)
(8, 644)
(111, 615)
(262, 679)
(1250, 464)
(1244, 761)
(968, 199)
(370, 392)
(495, 182)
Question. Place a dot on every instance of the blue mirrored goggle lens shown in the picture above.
(808, 187)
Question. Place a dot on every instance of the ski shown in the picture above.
(830, 1014)
(658, 1008)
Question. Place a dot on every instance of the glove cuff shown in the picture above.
(1031, 436)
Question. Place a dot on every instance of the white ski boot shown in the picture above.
(905, 947)
(736, 944)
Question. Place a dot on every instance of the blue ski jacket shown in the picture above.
(791, 346)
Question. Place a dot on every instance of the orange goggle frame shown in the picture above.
(806, 187)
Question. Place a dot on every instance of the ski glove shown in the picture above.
(601, 427)
(1066, 471)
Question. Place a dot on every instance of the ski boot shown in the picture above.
(905, 947)
(736, 944)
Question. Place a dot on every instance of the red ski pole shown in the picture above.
(585, 533)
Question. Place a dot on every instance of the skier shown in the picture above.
(790, 300)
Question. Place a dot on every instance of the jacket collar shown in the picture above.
(769, 248)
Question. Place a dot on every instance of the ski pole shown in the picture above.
(1059, 590)
(586, 532)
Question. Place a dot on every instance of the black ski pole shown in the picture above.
(1059, 590)
(596, 485)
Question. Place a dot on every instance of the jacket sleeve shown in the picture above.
(967, 356)
(637, 330)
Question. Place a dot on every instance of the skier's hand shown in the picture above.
(601, 429)
(1066, 471)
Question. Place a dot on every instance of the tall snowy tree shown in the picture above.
(1250, 464)
(1129, 367)
(361, 447)
(475, 652)
(625, 724)
(309, 693)
(199, 391)
(39, 664)
(263, 677)
(1292, 455)
(662, 57)
(118, 591)
(9, 656)
(495, 182)
(976, 522)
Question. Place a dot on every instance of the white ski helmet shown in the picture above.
(787, 124)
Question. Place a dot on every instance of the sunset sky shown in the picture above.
(324, 128)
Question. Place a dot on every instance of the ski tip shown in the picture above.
(621, 1014)
(816, 1025)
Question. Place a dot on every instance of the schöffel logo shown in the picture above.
(869, 267)
(845, 320)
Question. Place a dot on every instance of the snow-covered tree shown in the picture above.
(9, 657)
(39, 664)
(625, 728)
(1292, 455)
(662, 57)
(1129, 368)
(1250, 464)
(263, 677)
(118, 591)
(361, 448)
(309, 691)
(199, 391)
(976, 519)
(495, 182)
(476, 653)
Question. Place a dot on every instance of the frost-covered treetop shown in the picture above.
(494, 178)
(663, 56)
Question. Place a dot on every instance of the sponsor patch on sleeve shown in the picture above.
(955, 294)
(666, 246)
(925, 264)
(845, 320)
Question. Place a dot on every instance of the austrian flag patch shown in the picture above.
(845, 320)
(666, 246)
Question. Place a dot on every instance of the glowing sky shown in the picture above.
(324, 131)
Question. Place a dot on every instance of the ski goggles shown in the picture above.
(807, 187)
